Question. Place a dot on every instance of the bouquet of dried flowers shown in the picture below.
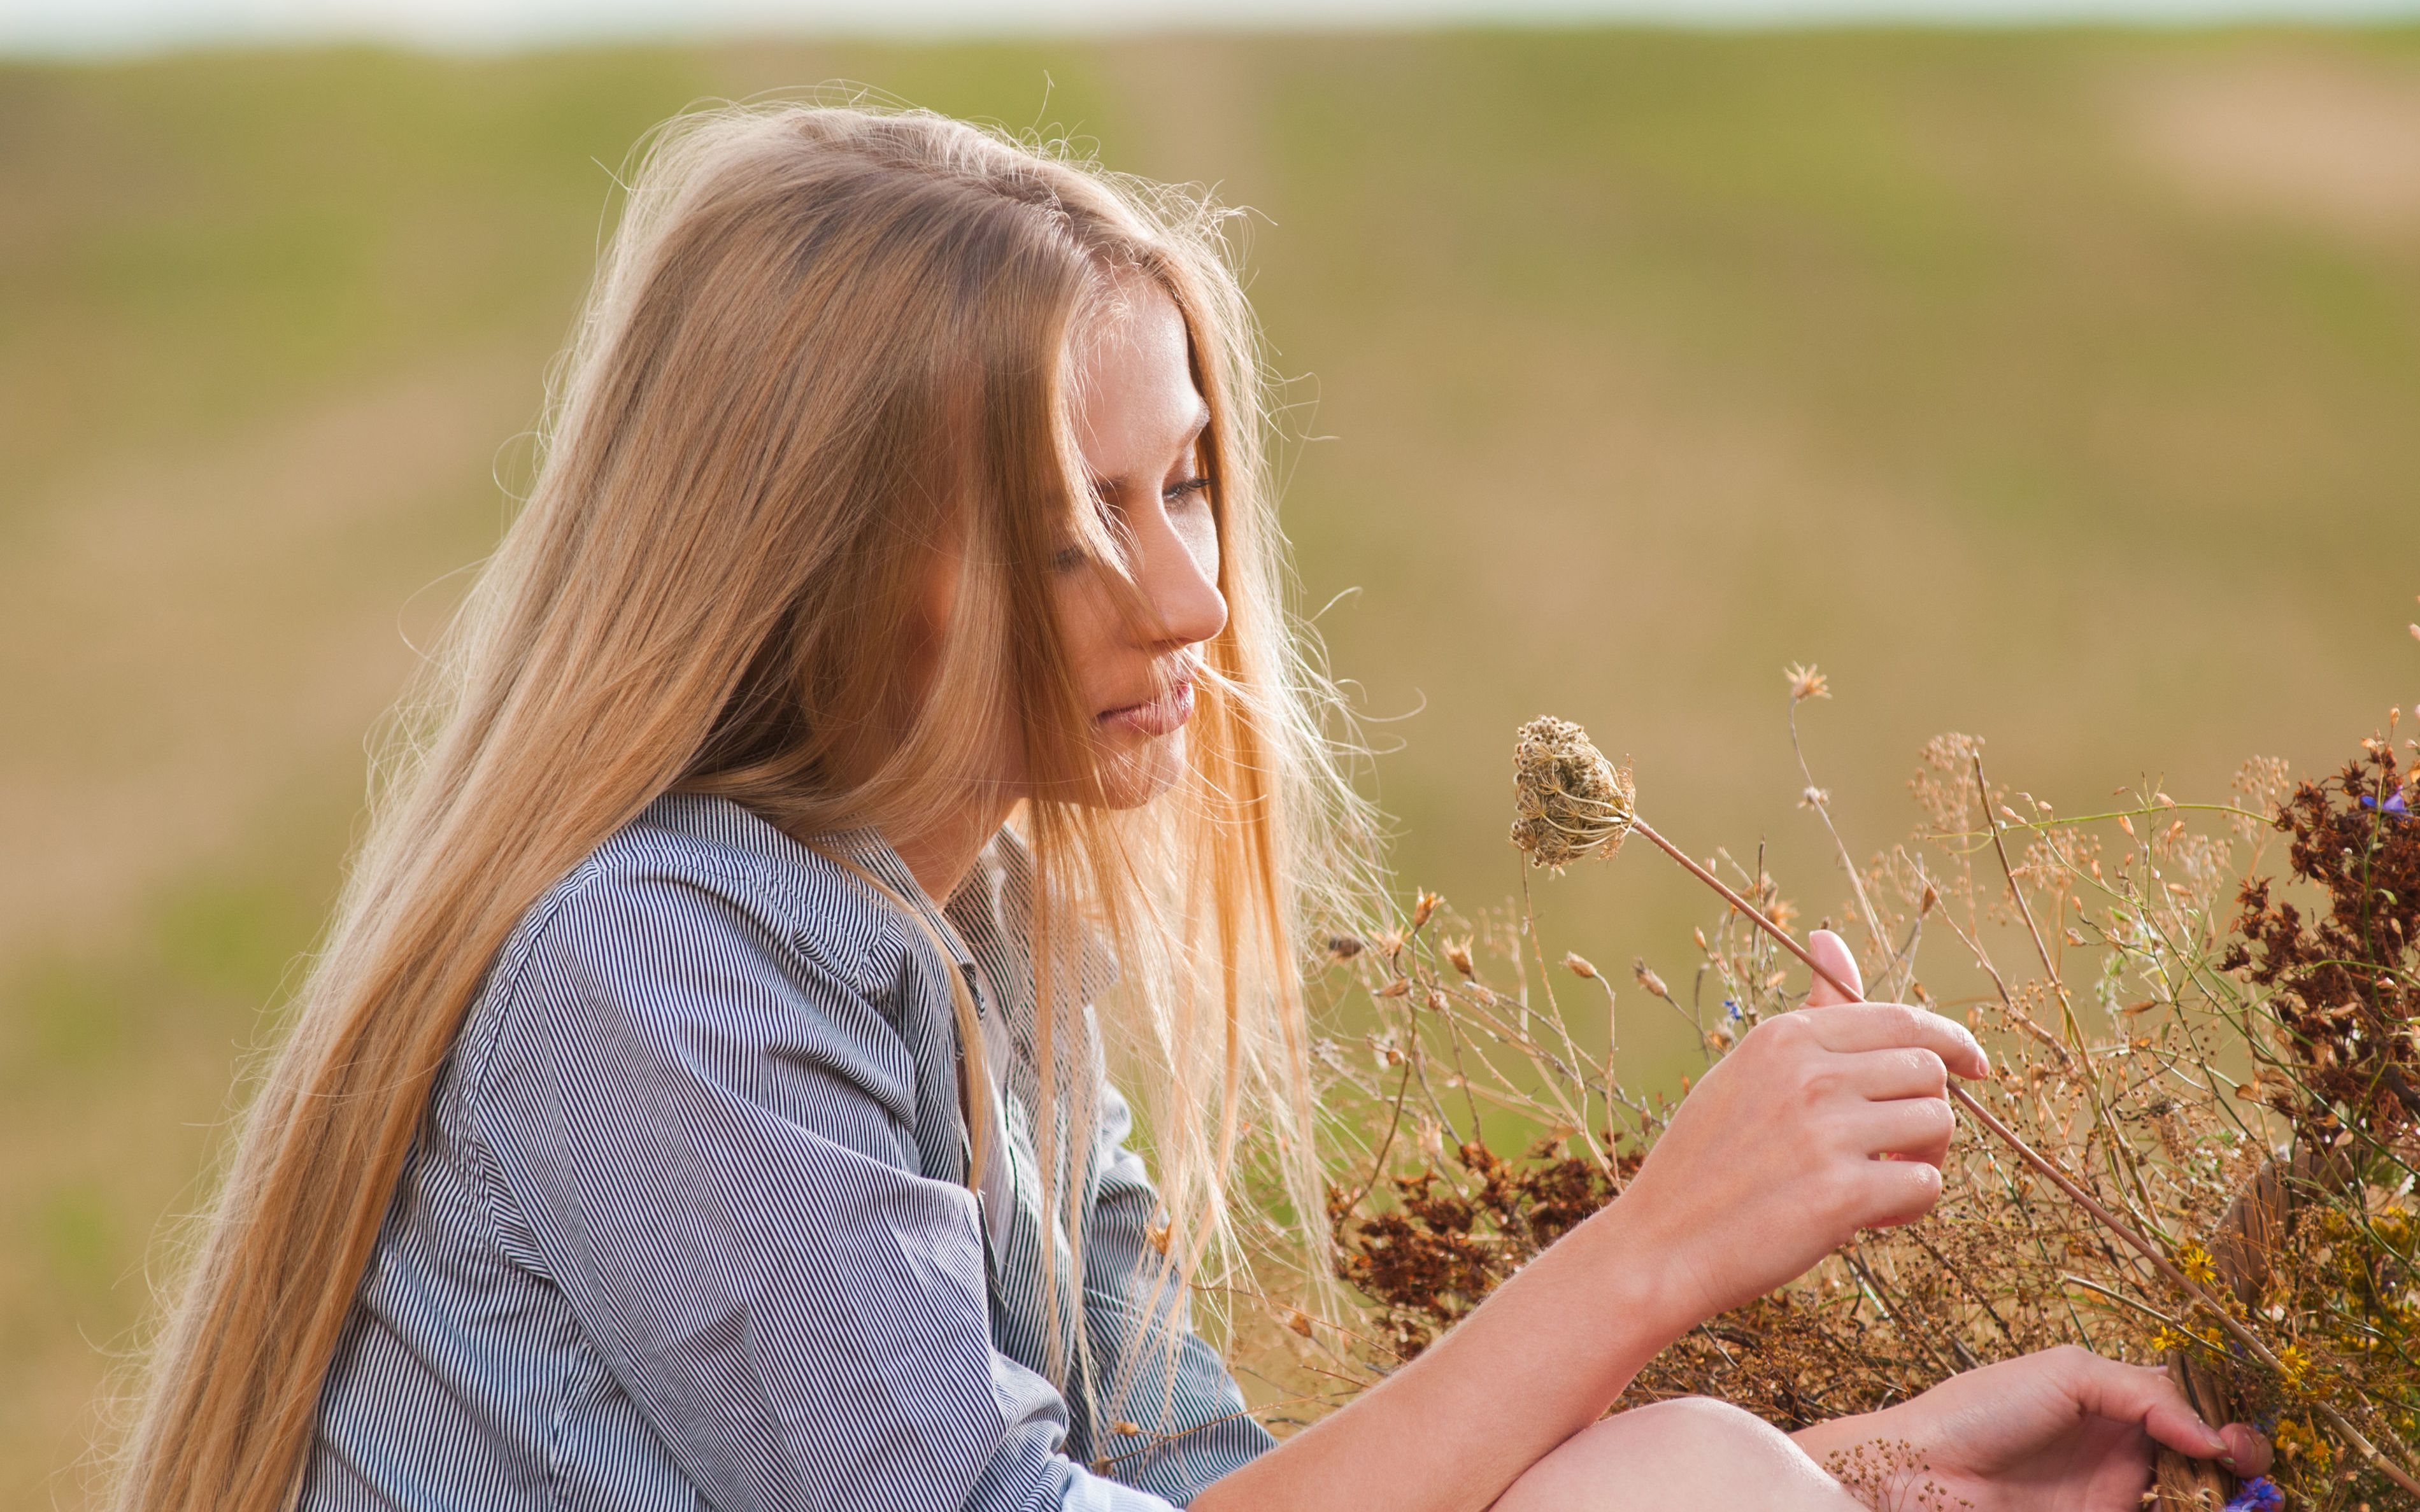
(2200, 1145)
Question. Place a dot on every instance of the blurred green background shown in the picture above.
(2062, 387)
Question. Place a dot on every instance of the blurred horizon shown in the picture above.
(118, 29)
(2056, 386)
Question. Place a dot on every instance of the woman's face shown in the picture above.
(1138, 423)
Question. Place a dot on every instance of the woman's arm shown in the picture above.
(699, 1136)
(1158, 1377)
(1767, 1167)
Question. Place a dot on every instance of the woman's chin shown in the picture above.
(1140, 768)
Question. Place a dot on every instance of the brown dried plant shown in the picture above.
(2225, 1067)
(1889, 1476)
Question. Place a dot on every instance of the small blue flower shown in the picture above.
(1731, 1011)
(2396, 805)
(2258, 1494)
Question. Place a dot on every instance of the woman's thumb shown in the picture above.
(1832, 953)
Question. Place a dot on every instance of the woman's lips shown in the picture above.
(1161, 715)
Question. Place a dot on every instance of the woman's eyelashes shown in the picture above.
(1176, 493)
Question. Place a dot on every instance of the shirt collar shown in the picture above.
(868, 849)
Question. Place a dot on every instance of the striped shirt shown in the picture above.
(687, 1224)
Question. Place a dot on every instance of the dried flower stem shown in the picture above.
(1899, 962)
(2050, 1169)
(2116, 1147)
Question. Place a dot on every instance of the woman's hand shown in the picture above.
(1820, 1123)
(2064, 1430)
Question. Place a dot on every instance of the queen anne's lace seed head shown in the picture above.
(1568, 800)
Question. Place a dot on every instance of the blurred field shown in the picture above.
(2064, 388)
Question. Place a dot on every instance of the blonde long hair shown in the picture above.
(824, 339)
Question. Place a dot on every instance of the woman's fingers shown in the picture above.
(1833, 951)
(1883, 1075)
(1914, 1127)
(1895, 1192)
(2146, 1394)
(1849, 1027)
(2248, 1453)
(1894, 1024)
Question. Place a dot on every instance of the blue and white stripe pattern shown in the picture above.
(687, 1225)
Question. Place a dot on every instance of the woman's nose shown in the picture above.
(1179, 579)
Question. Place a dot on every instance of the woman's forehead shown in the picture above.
(1134, 402)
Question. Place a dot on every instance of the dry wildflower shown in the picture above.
(1457, 955)
(1807, 683)
(2347, 983)
(1423, 907)
(2116, 1057)
(1344, 947)
(1445, 1243)
(1579, 965)
(1568, 799)
(1889, 1475)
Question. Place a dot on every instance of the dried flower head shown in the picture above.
(1568, 800)
(1807, 683)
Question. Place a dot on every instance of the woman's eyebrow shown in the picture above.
(1106, 485)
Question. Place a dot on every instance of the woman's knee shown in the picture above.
(1685, 1453)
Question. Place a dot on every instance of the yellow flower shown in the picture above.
(2293, 1363)
(2194, 1262)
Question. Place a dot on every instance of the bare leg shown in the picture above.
(1690, 1455)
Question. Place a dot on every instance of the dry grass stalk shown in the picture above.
(2181, 1041)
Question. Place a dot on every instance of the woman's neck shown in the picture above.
(940, 854)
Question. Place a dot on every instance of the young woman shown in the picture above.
(884, 703)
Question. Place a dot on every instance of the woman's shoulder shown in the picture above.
(693, 862)
(696, 909)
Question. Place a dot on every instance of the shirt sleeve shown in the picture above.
(700, 1134)
(1165, 1379)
